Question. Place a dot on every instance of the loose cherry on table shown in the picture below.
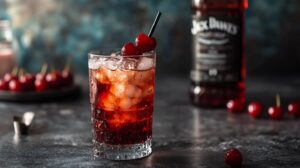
(145, 43)
(233, 158)
(130, 49)
(276, 112)
(255, 109)
(235, 106)
(294, 109)
(4, 85)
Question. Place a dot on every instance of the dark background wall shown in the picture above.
(52, 30)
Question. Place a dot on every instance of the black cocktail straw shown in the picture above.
(154, 24)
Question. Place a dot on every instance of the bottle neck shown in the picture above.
(204, 5)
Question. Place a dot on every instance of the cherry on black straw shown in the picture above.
(154, 24)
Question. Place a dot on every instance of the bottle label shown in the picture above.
(217, 48)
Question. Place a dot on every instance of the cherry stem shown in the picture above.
(44, 69)
(277, 100)
(15, 70)
(21, 72)
(68, 64)
(52, 68)
(154, 24)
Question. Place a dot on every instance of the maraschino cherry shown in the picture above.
(67, 75)
(4, 85)
(235, 106)
(130, 49)
(40, 83)
(255, 109)
(15, 85)
(233, 158)
(294, 109)
(54, 79)
(276, 112)
(10, 76)
(145, 43)
(27, 80)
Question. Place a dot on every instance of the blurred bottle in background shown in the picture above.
(218, 67)
(7, 53)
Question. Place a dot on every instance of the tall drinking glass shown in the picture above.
(121, 97)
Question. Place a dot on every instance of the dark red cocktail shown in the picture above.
(121, 96)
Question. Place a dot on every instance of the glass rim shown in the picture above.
(106, 53)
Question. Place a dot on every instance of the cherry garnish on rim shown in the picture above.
(276, 112)
(235, 106)
(294, 109)
(130, 49)
(255, 109)
(233, 158)
(145, 43)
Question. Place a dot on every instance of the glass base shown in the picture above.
(122, 152)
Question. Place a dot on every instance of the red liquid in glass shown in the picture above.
(217, 92)
(122, 105)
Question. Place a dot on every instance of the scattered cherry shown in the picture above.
(145, 43)
(41, 84)
(276, 112)
(8, 77)
(4, 85)
(68, 78)
(235, 106)
(294, 109)
(255, 109)
(15, 85)
(233, 158)
(54, 79)
(130, 49)
(28, 81)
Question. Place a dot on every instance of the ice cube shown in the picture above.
(101, 76)
(94, 63)
(145, 63)
(133, 91)
(121, 76)
(148, 91)
(118, 89)
(125, 104)
(107, 101)
(128, 63)
(111, 64)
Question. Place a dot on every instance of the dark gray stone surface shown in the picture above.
(184, 136)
